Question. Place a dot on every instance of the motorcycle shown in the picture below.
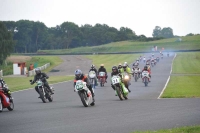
(84, 93)
(102, 78)
(157, 59)
(92, 78)
(44, 91)
(136, 74)
(145, 77)
(5, 101)
(120, 89)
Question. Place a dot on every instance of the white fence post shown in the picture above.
(1, 73)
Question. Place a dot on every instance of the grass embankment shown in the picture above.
(182, 85)
(187, 43)
(111, 60)
(20, 83)
(188, 129)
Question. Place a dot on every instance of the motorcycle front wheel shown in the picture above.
(146, 81)
(11, 107)
(42, 96)
(1, 105)
(119, 92)
(83, 97)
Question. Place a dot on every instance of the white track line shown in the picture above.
(167, 79)
(34, 87)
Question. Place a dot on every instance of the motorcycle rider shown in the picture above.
(94, 69)
(136, 68)
(120, 69)
(146, 69)
(115, 71)
(5, 88)
(43, 77)
(103, 69)
(80, 76)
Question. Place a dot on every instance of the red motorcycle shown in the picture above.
(102, 78)
(5, 101)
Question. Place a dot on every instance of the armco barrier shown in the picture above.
(32, 72)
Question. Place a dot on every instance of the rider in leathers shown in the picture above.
(43, 77)
(103, 69)
(5, 88)
(94, 69)
(80, 76)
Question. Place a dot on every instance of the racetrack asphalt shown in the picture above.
(66, 114)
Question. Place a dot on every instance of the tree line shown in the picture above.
(31, 36)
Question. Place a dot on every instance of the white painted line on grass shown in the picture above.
(34, 87)
(167, 79)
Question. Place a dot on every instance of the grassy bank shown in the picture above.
(112, 60)
(187, 43)
(184, 86)
(21, 83)
(187, 129)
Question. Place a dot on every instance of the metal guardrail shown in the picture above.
(32, 72)
(1, 73)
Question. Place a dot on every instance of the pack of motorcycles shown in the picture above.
(120, 83)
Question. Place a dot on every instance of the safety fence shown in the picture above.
(32, 72)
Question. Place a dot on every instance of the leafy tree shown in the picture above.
(167, 32)
(6, 43)
(190, 34)
(157, 32)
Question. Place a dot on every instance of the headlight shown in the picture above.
(126, 77)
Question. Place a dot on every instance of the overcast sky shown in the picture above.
(183, 16)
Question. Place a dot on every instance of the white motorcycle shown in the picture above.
(92, 78)
(84, 93)
(136, 72)
(145, 77)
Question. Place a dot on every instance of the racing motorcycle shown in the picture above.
(136, 72)
(102, 78)
(145, 77)
(92, 78)
(152, 63)
(44, 92)
(5, 101)
(120, 89)
(84, 93)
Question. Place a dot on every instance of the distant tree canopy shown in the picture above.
(32, 36)
(6, 43)
(165, 32)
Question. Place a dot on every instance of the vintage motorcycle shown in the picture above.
(92, 78)
(44, 91)
(136, 72)
(5, 101)
(120, 88)
(84, 93)
(102, 78)
(145, 77)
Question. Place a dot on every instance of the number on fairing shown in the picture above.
(79, 85)
(115, 80)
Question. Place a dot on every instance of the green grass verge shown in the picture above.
(111, 60)
(187, 129)
(182, 87)
(188, 43)
(20, 83)
(187, 62)
(42, 60)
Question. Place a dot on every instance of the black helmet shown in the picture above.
(145, 67)
(37, 71)
(114, 69)
(78, 73)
